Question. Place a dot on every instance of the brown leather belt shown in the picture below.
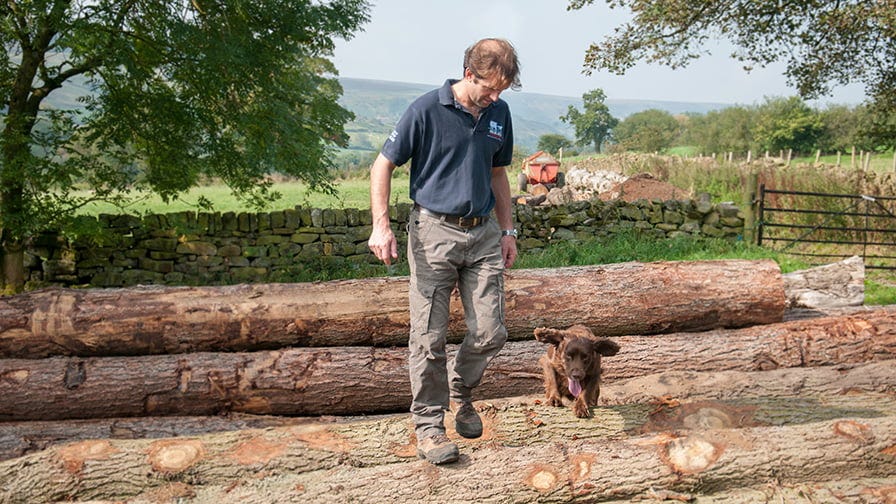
(464, 222)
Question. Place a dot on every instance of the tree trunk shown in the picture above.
(529, 452)
(629, 298)
(13, 269)
(22, 438)
(356, 380)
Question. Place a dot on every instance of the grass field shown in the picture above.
(353, 193)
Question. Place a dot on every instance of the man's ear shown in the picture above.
(549, 335)
(606, 347)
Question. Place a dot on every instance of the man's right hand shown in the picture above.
(383, 245)
(382, 240)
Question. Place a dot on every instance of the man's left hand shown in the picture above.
(508, 251)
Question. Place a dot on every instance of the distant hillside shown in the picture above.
(378, 105)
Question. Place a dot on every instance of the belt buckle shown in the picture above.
(468, 222)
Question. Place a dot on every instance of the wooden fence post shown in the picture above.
(852, 164)
(817, 155)
(838, 158)
(750, 199)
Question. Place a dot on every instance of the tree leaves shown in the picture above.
(594, 124)
(175, 91)
(821, 42)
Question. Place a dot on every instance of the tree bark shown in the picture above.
(628, 298)
(13, 261)
(21, 438)
(829, 287)
(876, 379)
(529, 452)
(357, 380)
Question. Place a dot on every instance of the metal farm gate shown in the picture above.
(828, 227)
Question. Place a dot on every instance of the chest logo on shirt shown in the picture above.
(495, 130)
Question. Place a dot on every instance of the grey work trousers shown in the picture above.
(442, 256)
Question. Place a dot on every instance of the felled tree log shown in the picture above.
(629, 298)
(528, 453)
(859, 490)
(830, 383)
(20, 438)
(356, 380)
(829, 287)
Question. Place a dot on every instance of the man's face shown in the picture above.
(483, 92)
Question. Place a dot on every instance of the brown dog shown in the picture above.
(571, 366)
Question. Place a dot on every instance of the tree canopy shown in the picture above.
(783, 123)
(822, 42)
(595, 123)
(650, 130)
(169, 92)
(553, 142)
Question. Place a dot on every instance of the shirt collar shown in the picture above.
(446, 96)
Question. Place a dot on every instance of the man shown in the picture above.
(460, 140)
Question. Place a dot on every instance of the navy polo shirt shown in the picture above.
(452, 154)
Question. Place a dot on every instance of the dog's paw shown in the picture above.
(555, 401)
(581, 410)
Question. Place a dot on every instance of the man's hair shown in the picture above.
(496, 60)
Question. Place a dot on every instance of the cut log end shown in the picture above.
(542, 477)
(257, 450)
(175, 455)
(691, 455)
(74, 456)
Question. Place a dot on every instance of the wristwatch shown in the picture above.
(508, 232)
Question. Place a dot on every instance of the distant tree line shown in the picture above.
(775, 125)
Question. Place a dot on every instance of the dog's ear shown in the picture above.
(606, 347)
(549, 335)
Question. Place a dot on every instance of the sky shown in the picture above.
(422, 42)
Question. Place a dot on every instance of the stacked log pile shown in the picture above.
(297, 393)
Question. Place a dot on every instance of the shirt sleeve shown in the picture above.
(399, 147)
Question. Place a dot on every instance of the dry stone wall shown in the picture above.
(191, 248)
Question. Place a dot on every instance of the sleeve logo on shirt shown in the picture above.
(496, 130)
(393, 136)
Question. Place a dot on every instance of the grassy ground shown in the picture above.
(353, 193)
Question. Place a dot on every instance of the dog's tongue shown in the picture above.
(575, 388)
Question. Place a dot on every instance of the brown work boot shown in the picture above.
(467, 422)
(437, 449)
